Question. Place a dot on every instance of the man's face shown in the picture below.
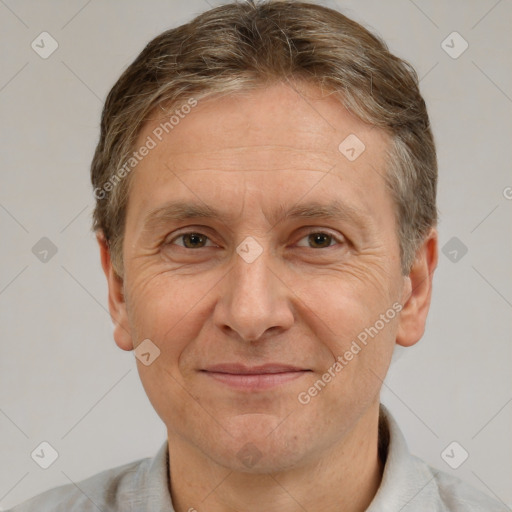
(254, 290)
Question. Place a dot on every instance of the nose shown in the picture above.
(254, 302)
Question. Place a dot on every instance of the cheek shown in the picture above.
(360, 360)
(345, 299)
(352, 315)
(171, 314)
(169, 310)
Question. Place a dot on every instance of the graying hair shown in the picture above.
(240, 46)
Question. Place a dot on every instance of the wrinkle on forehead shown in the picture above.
(268, 131)
(250, 158)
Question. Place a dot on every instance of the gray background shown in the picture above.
(62, 378)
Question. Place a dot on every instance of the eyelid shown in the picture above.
(340, 239)
(187, 231)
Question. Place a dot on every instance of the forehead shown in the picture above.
(246, 137)
(250, 119)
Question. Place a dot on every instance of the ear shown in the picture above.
(417, 292)
(116, 302)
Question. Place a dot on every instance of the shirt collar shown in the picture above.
(406, 482)
(155, 482)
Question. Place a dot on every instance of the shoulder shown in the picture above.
(409, 484)
(458, 496)
(103, 491)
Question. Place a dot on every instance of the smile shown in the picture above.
(256, 378)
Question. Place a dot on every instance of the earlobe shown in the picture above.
(417, 292)
(116, 299)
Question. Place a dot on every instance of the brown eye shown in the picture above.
(319, 240)
(191, 240)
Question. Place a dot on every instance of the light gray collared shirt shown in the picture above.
(408, 485)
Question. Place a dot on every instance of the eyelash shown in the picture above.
(340, 241)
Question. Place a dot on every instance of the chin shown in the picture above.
(260, 443)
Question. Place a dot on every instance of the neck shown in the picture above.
(344, 477)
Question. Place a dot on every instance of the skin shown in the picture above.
(301, 302)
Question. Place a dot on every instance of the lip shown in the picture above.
(241, 369)
(254, 378)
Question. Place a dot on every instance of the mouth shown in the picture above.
(254, 378)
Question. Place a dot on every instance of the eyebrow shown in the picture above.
(177, 211)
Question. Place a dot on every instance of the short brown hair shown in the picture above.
(239, 46)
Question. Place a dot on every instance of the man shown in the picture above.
(266, 216)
